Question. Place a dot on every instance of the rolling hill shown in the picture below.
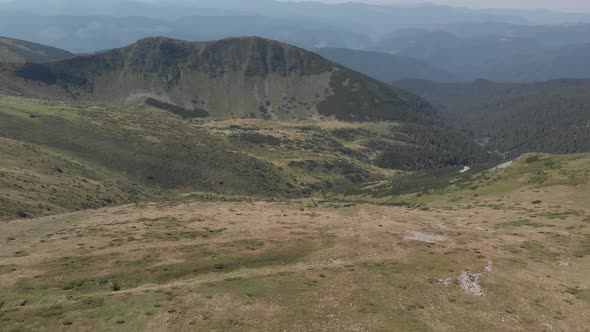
(238, 77)
(14, 50)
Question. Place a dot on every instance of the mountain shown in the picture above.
(551, 63)
(14, 50)
(494, 53)
(88, 34)
(384, 66)
(553, 35)
(515, 118)
(364, 17)
(238, 77)
(416, 43)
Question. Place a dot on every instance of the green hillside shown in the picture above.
(144, 151)
(14, 50)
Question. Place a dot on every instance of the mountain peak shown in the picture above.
(248, 77)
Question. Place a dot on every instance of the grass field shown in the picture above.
(249, 225)
(298, 266)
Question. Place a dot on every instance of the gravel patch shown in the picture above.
(445, 282)
(425, 237)
(336, 261)
(469, 281)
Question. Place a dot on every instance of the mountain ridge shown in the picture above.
(16, 50)
(265, 78)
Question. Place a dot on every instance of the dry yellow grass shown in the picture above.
(296, 267)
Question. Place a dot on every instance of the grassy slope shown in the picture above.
(298, 265)
(529, 178)
(152, 149)
(146, 146)
(159, 151)
(14, 50)
(309, 264)
(35, 181)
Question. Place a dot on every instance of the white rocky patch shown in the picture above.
(425, 237)
(469, 281)
(336, 261)
(548, 326)
(445, 282)
(504, 165)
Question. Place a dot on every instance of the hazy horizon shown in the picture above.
(562, 5)
(572, 6)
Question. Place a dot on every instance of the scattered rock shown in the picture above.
(336, 261)
(23, 303)
(424, 237)
(445, 282)
(548, 326)
(504, 165)
(469, 282)
(115, 286)
(354, 236)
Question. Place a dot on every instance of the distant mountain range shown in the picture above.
(500, 57)
(384, 66)
(552, 116)
(85, 27)
(445, 43)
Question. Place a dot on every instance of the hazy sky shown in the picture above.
(561, 5)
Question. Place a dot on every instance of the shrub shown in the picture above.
(532, 159)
